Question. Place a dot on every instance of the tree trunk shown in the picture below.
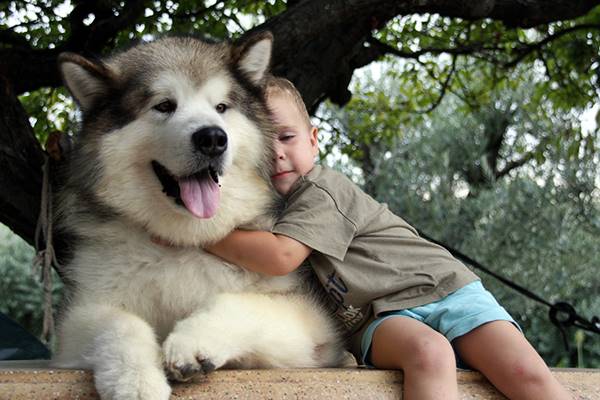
(21, 160)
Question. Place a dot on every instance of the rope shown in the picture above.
(561, 314)
(46, 257)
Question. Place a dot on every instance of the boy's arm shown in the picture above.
(261, 251)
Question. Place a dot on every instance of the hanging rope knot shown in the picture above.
(45, 255)
(562, 314)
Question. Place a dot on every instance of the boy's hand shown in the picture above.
(260, 251)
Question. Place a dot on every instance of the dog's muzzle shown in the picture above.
(199, 191)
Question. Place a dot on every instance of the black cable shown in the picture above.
(561, 314)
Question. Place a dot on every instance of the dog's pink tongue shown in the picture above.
(201, 197)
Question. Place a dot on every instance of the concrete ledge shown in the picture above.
(22, 380)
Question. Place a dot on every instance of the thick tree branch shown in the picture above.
(203, 10)
(30, 69)
(13, 39)
(21, 159)
(104, 28)
(379, 49)
(523, 14)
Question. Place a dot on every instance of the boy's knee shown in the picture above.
(431, 352)
(528, 374)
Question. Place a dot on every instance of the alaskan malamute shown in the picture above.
(176, 144)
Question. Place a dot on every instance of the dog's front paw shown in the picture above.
(186, 356)
(147, 383)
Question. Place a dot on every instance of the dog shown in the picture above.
(176, 146)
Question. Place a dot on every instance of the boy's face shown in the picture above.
(296, 144)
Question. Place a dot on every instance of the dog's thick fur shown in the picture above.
(138, 311)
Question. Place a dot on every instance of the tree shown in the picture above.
(319, 44)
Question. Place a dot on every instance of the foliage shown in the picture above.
(50, 110)
(433, 47)
(21, 288)
(538, 224)
(434, 55)
(45, 24)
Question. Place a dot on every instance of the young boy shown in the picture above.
(406, 303)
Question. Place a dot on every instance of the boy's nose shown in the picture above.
(279, 154)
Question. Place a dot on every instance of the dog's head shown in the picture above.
(175, 134)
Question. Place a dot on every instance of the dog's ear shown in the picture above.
(253, 55)
(86, 80)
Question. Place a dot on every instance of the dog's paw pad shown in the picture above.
(184, 372)
(206, 365)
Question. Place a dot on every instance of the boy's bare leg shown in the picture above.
(501, 353)
(424, 355)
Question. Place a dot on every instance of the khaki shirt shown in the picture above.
(368, 259)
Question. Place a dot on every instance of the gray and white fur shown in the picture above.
(158, 114)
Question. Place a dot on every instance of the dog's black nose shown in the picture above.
(210, 141)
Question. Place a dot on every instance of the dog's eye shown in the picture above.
(221, 108)
(166, 106)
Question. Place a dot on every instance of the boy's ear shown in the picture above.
(86, 80)
(314, 135)
(253, 56)
(314, 139)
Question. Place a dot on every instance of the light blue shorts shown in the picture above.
(455, 315)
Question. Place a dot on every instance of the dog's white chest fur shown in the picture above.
(161, 284)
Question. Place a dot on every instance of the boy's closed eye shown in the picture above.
(285, 137)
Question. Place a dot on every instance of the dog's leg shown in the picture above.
(119, 347)
(247, 330)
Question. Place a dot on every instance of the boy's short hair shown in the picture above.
(277, 86)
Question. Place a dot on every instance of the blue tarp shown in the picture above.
(18, 344)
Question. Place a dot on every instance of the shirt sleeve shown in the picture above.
(314, 218)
